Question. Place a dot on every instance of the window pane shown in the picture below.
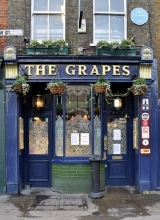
(59, 127)
(55, 27)
(101, 5)
(117, 28)
(117, 5)
(56, 5)
(38, 135)
(40, 5)
(101, 27)
(40, 27)
(78, 124)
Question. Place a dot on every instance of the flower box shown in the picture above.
(41, 50)
(116, 52)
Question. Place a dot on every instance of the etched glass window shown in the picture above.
(109, 20)
(38, 135)
(48, 18)
(116, 136)
(78, 124)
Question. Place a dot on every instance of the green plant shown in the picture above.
(139, 86)
(139, 82)
(126, 43)
(34, 43)
(102, 43)
(46, 43)
(103, 82)
(58, 43)
(21, 81)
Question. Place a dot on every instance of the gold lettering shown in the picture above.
(51, 70)
(29, 67)
(94, 71)
(40, 69)
(116, 70)
(70, 71)
(105, 69)
(126, 71)
(82, 70)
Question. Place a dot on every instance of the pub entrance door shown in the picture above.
(118, 147)
(38, 151)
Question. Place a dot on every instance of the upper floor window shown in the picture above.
(48, 20)
(109, 20)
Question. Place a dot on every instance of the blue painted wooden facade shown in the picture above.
(79, 70)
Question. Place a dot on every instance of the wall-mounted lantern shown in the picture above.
(118, 103)
(39, 102)
(117, 100)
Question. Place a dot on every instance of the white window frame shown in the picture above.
(110, 13)
(33, 13)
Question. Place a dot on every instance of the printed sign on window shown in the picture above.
(75, 139)
(116, 148)
(84, 138)
(116, 134)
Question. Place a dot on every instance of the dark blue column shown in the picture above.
(12, 144)
(147, 165)
(2, 131)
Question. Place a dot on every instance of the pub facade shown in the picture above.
(48, 139)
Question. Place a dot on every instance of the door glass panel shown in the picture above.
(78, 124)
(59, 136)
(97, 126)
(116, 136)
(38, 135)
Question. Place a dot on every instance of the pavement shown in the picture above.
(117, 203)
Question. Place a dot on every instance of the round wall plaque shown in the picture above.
(139, 16)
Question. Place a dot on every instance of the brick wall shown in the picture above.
(19, 13)
(3, 22)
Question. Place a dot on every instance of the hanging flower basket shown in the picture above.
(100, 89)
(20, 86)
(18, 90)
(55, 90)
(102, 85)
(57, 87)
(139, 90)
(139, 86)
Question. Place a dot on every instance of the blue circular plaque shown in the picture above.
(139, 16)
